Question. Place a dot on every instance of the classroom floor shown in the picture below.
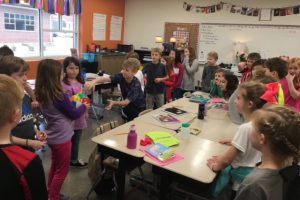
(77, 183)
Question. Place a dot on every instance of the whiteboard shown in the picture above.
(268, 40)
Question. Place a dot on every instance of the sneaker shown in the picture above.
(79, 163)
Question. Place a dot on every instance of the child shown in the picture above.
(72, 85)
(209, 71)
(246, 68)
(191, 66)
(179, 71)
(172, 77)
(241, 157)
(258, 68)
(276, 67)
(24, 133)
(155, 74)
(228, 85)
(22, 174)
(6, 51)
(133, 99)
(139, 73)
(215, 89)
(291, 84)
(60, 113)
(276, 135)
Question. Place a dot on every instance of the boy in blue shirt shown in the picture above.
(155, 73)
(133, 98)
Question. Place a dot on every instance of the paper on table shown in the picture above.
(164, 138)
(217, 100)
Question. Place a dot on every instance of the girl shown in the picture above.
(276, 135)
(191, 66)
(179, 71)
(59, 112)
(228, 85)
(72, 85)
(241, 157)
(291, 84)
(172, 77)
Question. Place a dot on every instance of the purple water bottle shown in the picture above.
(132, 138)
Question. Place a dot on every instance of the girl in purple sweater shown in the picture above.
(60, 113)
(72, 85)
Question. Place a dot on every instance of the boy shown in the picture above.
(155, 73)
(6, 51)
(215, 89)
(24, 133)
(22, 174)
(276, 67)
(246, 68)
(133, 98)
(209, 70)
(258, 68)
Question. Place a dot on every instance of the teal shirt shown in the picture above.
(215, 91)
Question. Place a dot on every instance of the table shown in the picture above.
(195, 150)
(114, 143)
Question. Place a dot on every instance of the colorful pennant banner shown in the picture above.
(62, 7)
(243, 10)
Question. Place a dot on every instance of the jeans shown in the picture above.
(158, 99)
(60, 163)
(75, 145)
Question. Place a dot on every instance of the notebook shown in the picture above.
(175, 111)
(160, 152)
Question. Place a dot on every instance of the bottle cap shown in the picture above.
(132, 127)
(185, 125)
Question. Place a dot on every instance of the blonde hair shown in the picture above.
(132, 64)
(213, 54)
(156, 50)
(253, 91)
(281, 126)
(11, 96)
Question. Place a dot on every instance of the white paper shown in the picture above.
(99, 26)
(115, 27)
(265, 14)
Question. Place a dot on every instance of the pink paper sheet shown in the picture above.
(217, 100)
(176, 158)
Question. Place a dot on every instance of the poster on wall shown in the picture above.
(99, 26)
(116, 27)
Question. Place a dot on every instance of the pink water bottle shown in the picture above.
(132, 138)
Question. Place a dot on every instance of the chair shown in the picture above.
(96, 162)
(145, 111)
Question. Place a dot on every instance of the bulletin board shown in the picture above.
(189, 31)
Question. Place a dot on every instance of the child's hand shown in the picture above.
(34, 104)
(36, 144)
(226, 142)
(41, 136)
(89, 86)
(289, 77)
(214, 163)
(109, 105)
(158, 80)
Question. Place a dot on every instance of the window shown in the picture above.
(30, 32)
(18, 22)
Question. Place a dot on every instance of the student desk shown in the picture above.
(114, 142)
(195, 150)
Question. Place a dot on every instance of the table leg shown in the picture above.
(120, 178)
(164, 187)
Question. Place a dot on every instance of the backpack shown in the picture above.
(291, 182)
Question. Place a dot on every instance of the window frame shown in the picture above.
(41, 29)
